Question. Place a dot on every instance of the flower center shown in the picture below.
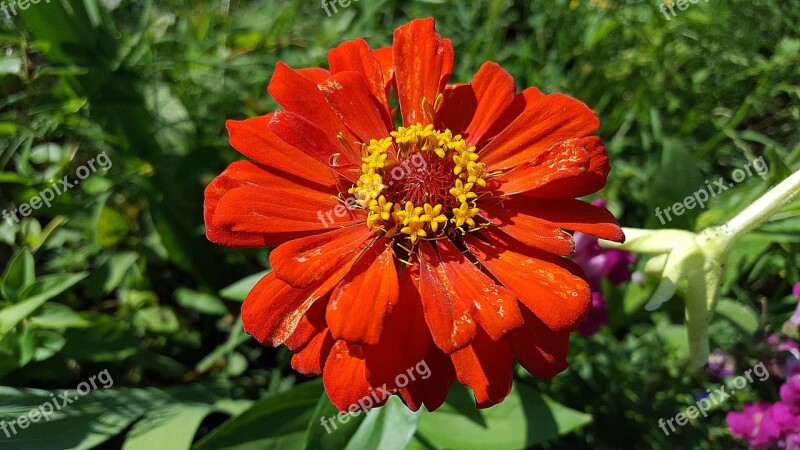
(420, 182)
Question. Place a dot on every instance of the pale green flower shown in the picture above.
(699, 258)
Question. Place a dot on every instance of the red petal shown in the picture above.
(345, 379)
(494, 307)
(311, 359)
(405, 339)
(304, 262)
(213, 194)
(309, 326)
(349, 95)
(530, 230)
(494, 91)
(553, 288)
(521, 102)
(248, 173)
(593, 180)
(316, 143)
(549, 120)
(486, 367)
(540, 350)
(279, 214)
(566, 161)
(315, 74)
(223, 220)
(435, 375)
(458, 108)
(446, 312)
(273, 309)
(361, 303)
(422, 61)
(252, 138)
(302, 96)
(356, 56)
(570, 214)
(386, 59)
(448, 61)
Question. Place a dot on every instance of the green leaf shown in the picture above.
(103, 413)
(238, 291)
(276, 422)
(200, 302)
(9, 128)
(744, 255)
(663, 192)
(108, 339)
(112, 227)
(9, 354)
(172, 427)
(87, 422)
(174, 126)
(389, 427)
(43, 290)
(49, 286)
(236, 338)
(18, 275)
(524, 419)
(158, 319)
(76, 32)
(55, 316)
(11, 316)
(39, 345)
(734, 322)
(110, 275)
(327, 433)
(49, 343)
(47, 153)
(742, 315)
(11, 64)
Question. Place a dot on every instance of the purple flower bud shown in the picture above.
(796, 316)
(721, 364)
(596, 318)
(599, 263)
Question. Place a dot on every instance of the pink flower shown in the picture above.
(790, 393)
(756, 424)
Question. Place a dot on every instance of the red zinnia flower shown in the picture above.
(441, 240)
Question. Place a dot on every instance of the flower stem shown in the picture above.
(765, 207)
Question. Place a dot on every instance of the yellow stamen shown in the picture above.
(402, 217)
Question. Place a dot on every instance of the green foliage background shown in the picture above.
(118, 275)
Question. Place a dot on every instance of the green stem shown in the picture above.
(763, 209)
(697, 318)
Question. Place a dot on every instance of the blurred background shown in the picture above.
(117, 274)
